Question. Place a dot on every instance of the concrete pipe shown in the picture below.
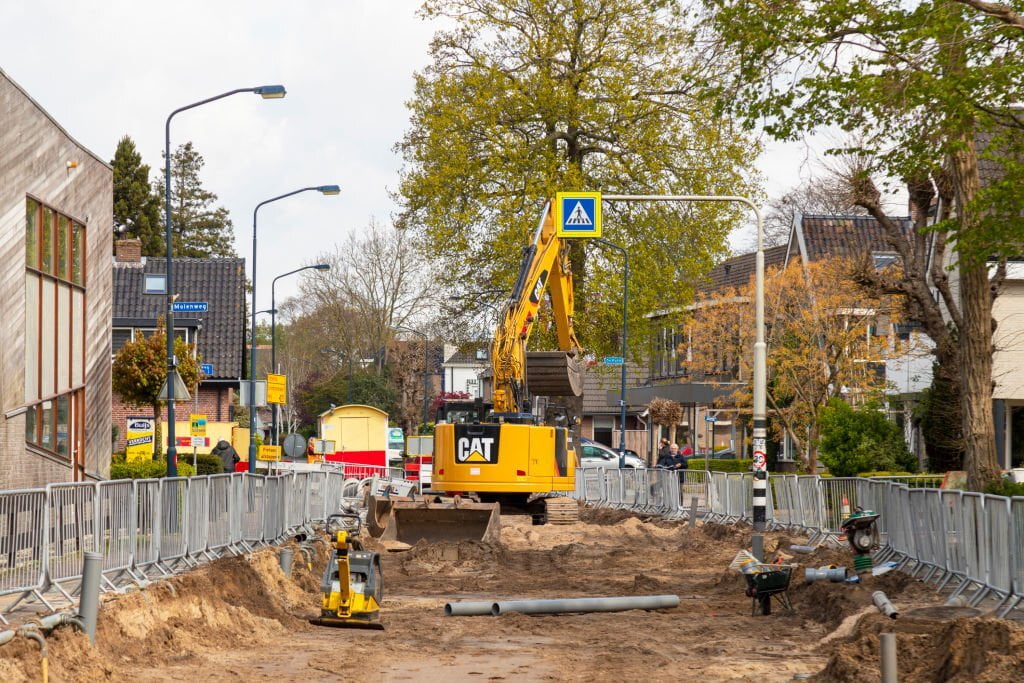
(468, 609)
(619, 604)
(884, 605)
(806, 549)
(836, 575)
(284, 559)
(89, 600)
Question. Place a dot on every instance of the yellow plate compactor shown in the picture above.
(353, 584)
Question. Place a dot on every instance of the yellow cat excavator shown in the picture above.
(502, 452)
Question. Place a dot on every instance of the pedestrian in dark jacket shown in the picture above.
(663, 450)
(670, 459)
(227, 454)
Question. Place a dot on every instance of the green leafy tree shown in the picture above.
(200, 230)
(929, 91)
(319, 393)
(527, 97)
(136, 205)
(862, 440)
(140, 369)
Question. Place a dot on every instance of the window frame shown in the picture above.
(65, 268)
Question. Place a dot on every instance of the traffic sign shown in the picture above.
(294, 445)
(710, 418)
(198, 424)
(192, 441)
(207, 369)
(277, 388)
(578, 214)
(760, 461)
(269, 453)
(614, 360)
(190, 306)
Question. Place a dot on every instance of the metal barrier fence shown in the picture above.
(148, 528)
(969, 541)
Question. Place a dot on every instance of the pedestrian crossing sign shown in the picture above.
(578, 214)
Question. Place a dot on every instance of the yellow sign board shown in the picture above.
(578, 214)
(197, 424)
(269, 453)
(139, 438)
(277, 389)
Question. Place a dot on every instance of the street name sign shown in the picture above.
(190, 306)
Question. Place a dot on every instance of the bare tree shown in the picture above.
(377, 280)
(827, 193)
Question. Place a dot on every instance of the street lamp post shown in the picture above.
(273, 333)
(267, 92)
(426, 376)
(322, 189)
(760, 485)
(625, 331)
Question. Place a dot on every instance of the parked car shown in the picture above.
(593, 454)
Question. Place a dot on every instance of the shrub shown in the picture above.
(697, 463)
(1005, 487)
(146, 469)
(863, 440)
(205, 463)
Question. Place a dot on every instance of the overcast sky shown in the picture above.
(108, 68)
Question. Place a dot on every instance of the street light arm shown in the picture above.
(274, 199)
(206, 101)
(273, 91)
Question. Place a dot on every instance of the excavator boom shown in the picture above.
(545, 265)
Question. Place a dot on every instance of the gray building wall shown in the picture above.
(34, 156)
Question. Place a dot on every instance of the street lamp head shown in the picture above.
(270, 92)
(329, 189)
(322, 266)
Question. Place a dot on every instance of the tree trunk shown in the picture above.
(975, 337)
(812, 447)
(976, 378)
(158, 439)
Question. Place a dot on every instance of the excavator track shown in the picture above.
(561, 510)
(554, 373)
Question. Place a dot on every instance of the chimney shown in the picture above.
(128, 251)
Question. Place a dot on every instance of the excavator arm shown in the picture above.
(545, 265)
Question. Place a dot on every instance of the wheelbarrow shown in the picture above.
(765, 581)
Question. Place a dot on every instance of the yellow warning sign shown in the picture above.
(277, 389)
(269, 453)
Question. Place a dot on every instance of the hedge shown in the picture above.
(146, 469)
(719, 465)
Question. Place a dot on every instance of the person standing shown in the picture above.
(663, 450)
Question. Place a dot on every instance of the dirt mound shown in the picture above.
(979, 649)
(722, 532)
(608, 516)
(212, 607)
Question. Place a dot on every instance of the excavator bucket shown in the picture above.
(554, 373)
(410, 521)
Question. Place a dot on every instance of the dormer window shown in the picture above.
(154, 283)
(883, 260)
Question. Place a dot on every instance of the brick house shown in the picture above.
(56, 207)
(139, 299)
(813, 238)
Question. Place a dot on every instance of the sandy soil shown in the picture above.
(242, 619)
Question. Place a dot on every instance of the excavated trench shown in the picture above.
(242, 619)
